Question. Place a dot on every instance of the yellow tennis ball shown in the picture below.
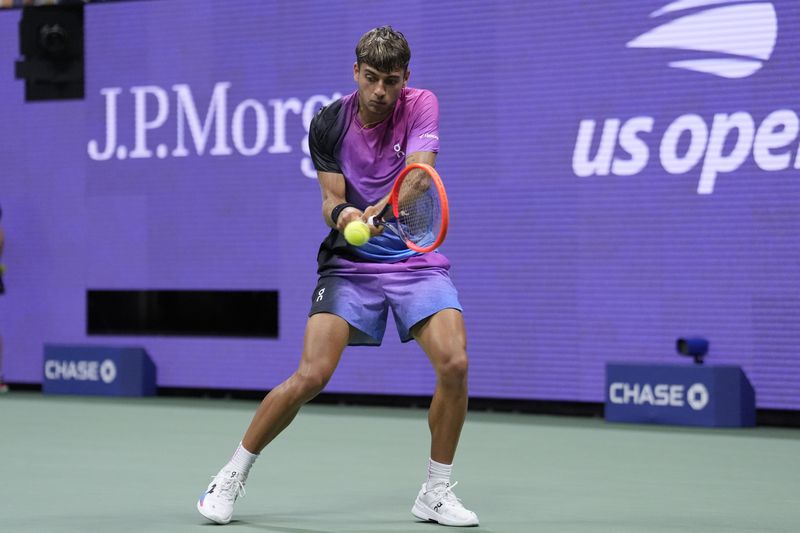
(356, 233)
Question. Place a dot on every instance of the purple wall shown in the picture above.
(568, 250)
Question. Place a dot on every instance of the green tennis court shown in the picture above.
(95, 464)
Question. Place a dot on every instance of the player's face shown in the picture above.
(378, 91)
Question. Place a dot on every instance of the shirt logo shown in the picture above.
(429, 136)
(398, 151)
(738, 39)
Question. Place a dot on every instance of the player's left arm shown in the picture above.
(429, 158)
(376, 209)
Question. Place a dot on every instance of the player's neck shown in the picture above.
(370, 120)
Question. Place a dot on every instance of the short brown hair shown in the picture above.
(384, 49)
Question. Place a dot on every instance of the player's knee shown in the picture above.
(311, 383)
(453, 369)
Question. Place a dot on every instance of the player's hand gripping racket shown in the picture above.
(418, 204)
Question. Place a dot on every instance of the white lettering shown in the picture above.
(614, 393)
(601, 165)
(630, 393)
(281, 107)
(646, 396)
(71, 370)
(634, 146)
(153, 110)
(661, 394)
(723, 147)
(108, 371)
(777, 131)
(237, 127)
(676, 395)
(698, 132)
(142, 125)
(216, 113)
(715, 162)
(111, 94)
(309, 108)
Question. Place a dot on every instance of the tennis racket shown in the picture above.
(418, 205)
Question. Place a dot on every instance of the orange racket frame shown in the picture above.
(445, 208)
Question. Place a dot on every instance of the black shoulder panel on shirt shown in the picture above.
(325, 135)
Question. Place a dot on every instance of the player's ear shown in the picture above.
(355, 71)
(405, 78)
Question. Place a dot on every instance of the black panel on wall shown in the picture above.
(252, 314)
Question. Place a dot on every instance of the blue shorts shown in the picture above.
(363, 299)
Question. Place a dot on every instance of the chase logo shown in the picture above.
(55, 369)
(659, 395)
(738, 38)
(697, 396)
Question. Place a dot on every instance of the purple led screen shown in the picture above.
(620, 174)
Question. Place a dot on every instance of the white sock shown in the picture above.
(242, 460)
(438, 473)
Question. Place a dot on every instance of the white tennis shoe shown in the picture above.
(216, 502)
(441, 505)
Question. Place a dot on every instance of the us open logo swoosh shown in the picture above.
(739, 37)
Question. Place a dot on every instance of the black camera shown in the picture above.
(695, 347)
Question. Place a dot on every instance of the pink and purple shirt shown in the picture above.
(370, 159)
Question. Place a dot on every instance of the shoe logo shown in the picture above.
(740, 38)
(437, 506)
(206, 493)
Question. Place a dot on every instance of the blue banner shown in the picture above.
(98, 370)
(716, 396)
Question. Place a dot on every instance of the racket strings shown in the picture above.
(420, 209)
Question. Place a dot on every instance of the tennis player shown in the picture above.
(359, 144)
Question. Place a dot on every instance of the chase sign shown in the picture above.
(98, 370)
(717, 396)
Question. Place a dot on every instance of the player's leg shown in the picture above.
(444, 340)
(325, 338)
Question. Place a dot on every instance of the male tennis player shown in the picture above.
(359, 144)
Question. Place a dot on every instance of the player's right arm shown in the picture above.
(324, 133)
(333, 189)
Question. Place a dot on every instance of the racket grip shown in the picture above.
(377, 220)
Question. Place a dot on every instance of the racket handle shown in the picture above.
(378, 220)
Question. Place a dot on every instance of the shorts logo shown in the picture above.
(320, 293)
(737, 39)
